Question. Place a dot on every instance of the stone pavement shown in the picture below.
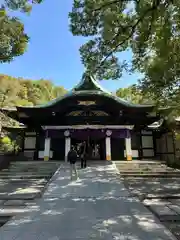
(97, 206)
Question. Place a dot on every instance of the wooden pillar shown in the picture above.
(128, 147)
(108, 145)
(67, 143)
(47, 146)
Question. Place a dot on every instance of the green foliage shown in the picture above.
(150, 28)
(13, 39)
(134, 95)
(23, 92)
(6, 140)
(7, 145)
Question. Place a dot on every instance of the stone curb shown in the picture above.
(50, 181)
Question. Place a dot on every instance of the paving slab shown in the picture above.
(162, 210)
(23, 196)
(98, 206)
(175, 201)
(14, 203)
(11, 211)
(156, 202)
(1, 202)
(175, 227)
(175, 208)
(155, 188)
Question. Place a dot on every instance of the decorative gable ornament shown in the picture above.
(66, 133)
(86, 103)
(108, 133)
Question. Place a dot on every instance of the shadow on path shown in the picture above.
(97, 206)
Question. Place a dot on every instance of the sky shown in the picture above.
(53, 53)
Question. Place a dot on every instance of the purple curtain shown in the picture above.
(121, 133)
(83, 134)
(53, 133)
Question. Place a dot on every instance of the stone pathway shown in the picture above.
(97, 206)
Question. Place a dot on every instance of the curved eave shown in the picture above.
(20, 128)
(73, 94)
(12, 113)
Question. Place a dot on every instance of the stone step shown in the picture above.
(37, 171)
(27, 170)
(25, 177)
(143, 167)
(33, 164)
(14, 203)
(163, 196)
(30, 196)
(152, 169)
(25, 173)
(131, 163)
(4, 219)
(30, 169)
(149, 172)
(150, 175)
(32, 180)
(10, 211)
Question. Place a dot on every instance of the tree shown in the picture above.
(13, 39)
(134, 95)
(150, 28)
(25, 92)
(162, 78)
(7, 145)
(8, 91)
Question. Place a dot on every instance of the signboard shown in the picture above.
(86, 103)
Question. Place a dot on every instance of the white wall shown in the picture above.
(30, 143)
(41, 154)
(135, 153)
(147, 142)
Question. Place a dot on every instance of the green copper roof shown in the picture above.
(88, 86)
(88, 83)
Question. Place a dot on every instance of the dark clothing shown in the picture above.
(72, 156)
(82, 149)
(83, 161)
(89, 151)
(82, 155)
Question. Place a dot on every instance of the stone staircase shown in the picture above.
(21, 184)
(157, 186)
(138, 169)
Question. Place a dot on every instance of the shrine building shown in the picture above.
(120, 129)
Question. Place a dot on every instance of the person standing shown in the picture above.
(72, 158)
(89, 152)
(82, 154)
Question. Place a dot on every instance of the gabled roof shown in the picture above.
(88, 86)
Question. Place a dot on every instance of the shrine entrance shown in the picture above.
(95, 144)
